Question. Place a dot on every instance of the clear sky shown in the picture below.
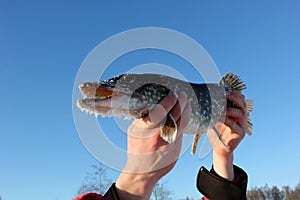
(42, 45)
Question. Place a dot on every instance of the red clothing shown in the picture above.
(89, 196)
(94, 196)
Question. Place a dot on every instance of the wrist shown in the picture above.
(133, 186)
(223, 165)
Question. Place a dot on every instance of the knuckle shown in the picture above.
(243, 97)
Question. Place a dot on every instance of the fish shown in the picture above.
(135, 95)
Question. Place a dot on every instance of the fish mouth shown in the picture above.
(103, 98)
(101, 90)
(107, 107)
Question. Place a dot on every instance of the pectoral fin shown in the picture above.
(168, 130)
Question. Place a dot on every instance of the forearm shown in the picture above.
(223, 166)
(135, 186)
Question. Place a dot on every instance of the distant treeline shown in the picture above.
(274, 193)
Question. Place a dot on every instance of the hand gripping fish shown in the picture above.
(134, 95)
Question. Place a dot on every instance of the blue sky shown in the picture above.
(42, 45)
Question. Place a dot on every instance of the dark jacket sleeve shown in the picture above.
(111, 194)
(214, 187)
(210, 184)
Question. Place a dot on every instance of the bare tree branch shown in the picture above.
(95, 181)
(274, 193)
(161, 192)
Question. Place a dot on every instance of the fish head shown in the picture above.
(129, 95)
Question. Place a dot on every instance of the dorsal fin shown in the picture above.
(232, 81)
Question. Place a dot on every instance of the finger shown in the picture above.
(160, 111)
(139, 130)
(179, 107)
(237, 93)
(239, 116)
(237, 98)
(183, 121)
(235, 128)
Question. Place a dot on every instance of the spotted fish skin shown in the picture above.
(134, 95)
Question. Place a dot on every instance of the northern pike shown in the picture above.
(134, 95)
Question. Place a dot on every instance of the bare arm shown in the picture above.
(232, 129)
(149, 156)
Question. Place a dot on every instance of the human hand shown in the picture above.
(232, 128)
(149, 156)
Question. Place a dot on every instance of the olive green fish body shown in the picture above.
(134, 95)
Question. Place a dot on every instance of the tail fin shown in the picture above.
(232, 81)
(249, 108)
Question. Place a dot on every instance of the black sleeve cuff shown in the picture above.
(214, 187)
(111, 194)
